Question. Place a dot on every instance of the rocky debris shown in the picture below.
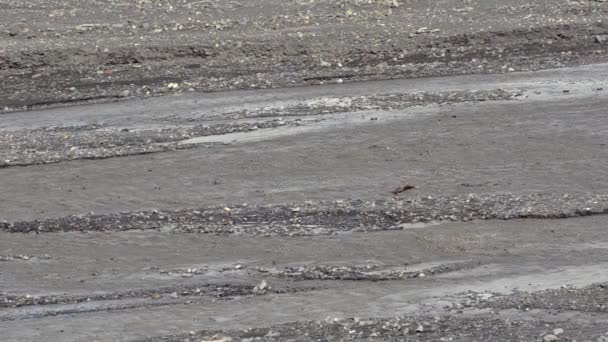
(366, 272)
(185, 273)
(23, 257)
(442, 328)
(199, 270)
(593, 298)
(385, 102)
(322, 218)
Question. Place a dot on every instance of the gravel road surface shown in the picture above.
(298, 170)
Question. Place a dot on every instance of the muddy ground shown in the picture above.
(303, 170)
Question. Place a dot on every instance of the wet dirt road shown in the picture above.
(369, 170)
(278, 215)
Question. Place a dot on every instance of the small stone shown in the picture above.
(485, 296)
(420, 328)
(173, 295)
(550, 338)
(558, 331)
(272, 334)
(172, 86)
(219, 338)
(601, 38)
(261, 288)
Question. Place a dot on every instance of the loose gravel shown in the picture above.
(324, 218)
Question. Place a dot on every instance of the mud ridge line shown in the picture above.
(54, 145)
(324, 218)
(50, 312)
(218, 291)
(364, 273)
(45, 306)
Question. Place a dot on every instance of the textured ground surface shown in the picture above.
(469, 205)
(54, 52)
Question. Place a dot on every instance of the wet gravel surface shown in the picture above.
(323, 218)
(54, 144)
(383, 102)
(292, 270)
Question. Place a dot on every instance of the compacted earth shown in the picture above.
(303, 170)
